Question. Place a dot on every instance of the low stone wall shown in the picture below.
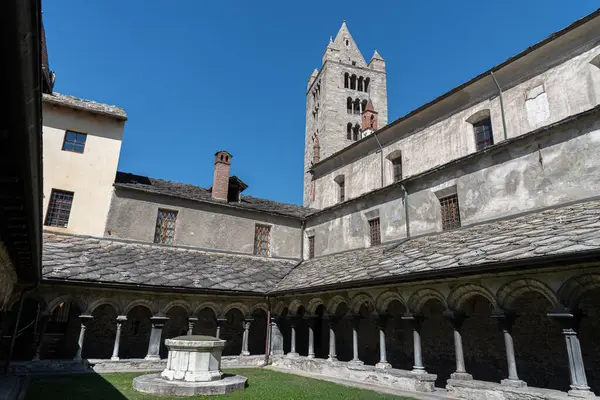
(394, 378)
(481, 390)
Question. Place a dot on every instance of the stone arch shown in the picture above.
(465, 291)
(313, 304)
(362, 298)
(421, 296)
(383, 301)
(178, 303)
(139, 302)
(507, 294)
(210, 305)
(239, 306)
(295, 306)
(334, 303)
(573, 289)
(259, 306)
(103, 301)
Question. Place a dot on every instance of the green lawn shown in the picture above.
(262, 384)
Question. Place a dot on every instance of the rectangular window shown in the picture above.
(262, 239)
(483, 134)
(374, 231)
(342, 190)
(397, 167)
(74, 141)
(311, 247)
(165, 227)
(450, 212)
(59, 208)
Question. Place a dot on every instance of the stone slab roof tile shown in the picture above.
(563, 230)
(79, 258)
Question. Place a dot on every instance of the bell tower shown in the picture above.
(336, 97)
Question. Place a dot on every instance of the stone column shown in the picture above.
(311, 321)
(85, 319)
(570, 322)
(506, 319)
(381, 321)
(45, 317)
(332, 322)
(355, 320)
(293, 322)
(416, 322)
(457, 318)
(158, 323)
(115, 354)
(245, 338)
(276, 338)
(191, 323)
(221, 321)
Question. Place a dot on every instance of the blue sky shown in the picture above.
(199, 76)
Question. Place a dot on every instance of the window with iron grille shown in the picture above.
(262, 239)
(374, 231)
(397, 168)
(165, 227)
(342, 190)
(59, 208)
(450, 212)
(74, 141)
(483, 134)
(311, 247)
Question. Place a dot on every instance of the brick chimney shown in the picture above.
(369, 117)
(221, 176)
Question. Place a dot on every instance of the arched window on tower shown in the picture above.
(366, 85)
(349, 131)
(360, 84)
(353, 82)
(349, 105)
(356, 132)
(357, 106)
(346, 80)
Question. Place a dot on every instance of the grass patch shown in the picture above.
(262, 384)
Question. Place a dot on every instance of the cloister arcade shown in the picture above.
(509, 328)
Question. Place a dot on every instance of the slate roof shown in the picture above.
(83, 104)
(553, 232)
(197, 193)
(87, 259)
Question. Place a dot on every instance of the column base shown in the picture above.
(114, 358)
(581, 393)
(461, 376)
(293, 355)
(245, 353)
(516, 383)
(152, 357)
(383, 365)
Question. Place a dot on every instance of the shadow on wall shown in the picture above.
(57, 387)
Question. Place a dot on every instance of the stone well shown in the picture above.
(193, 368)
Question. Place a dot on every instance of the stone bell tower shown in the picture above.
(337, 95)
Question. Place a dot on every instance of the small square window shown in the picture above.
(59, 208)
(262, 239)
(165, 227)
(483, 134)
(311, 247)
(450, 212)
(375, 231)
(74, 141)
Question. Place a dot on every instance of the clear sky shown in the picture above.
(197, 76)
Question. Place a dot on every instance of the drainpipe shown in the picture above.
(25, 292)
(401, 185)
(501, 104)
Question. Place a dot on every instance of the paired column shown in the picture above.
(355, 320)
(158, 323)
(45, 317)
(245, 338)
(191, 323)
(293, 322)
(416, 321)
(570, 326)
(381, 321)
(311, 321)
(84, 319)
(115, 354)
(506, 320)
(332, 322)
(457, 318)
(221, 321)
